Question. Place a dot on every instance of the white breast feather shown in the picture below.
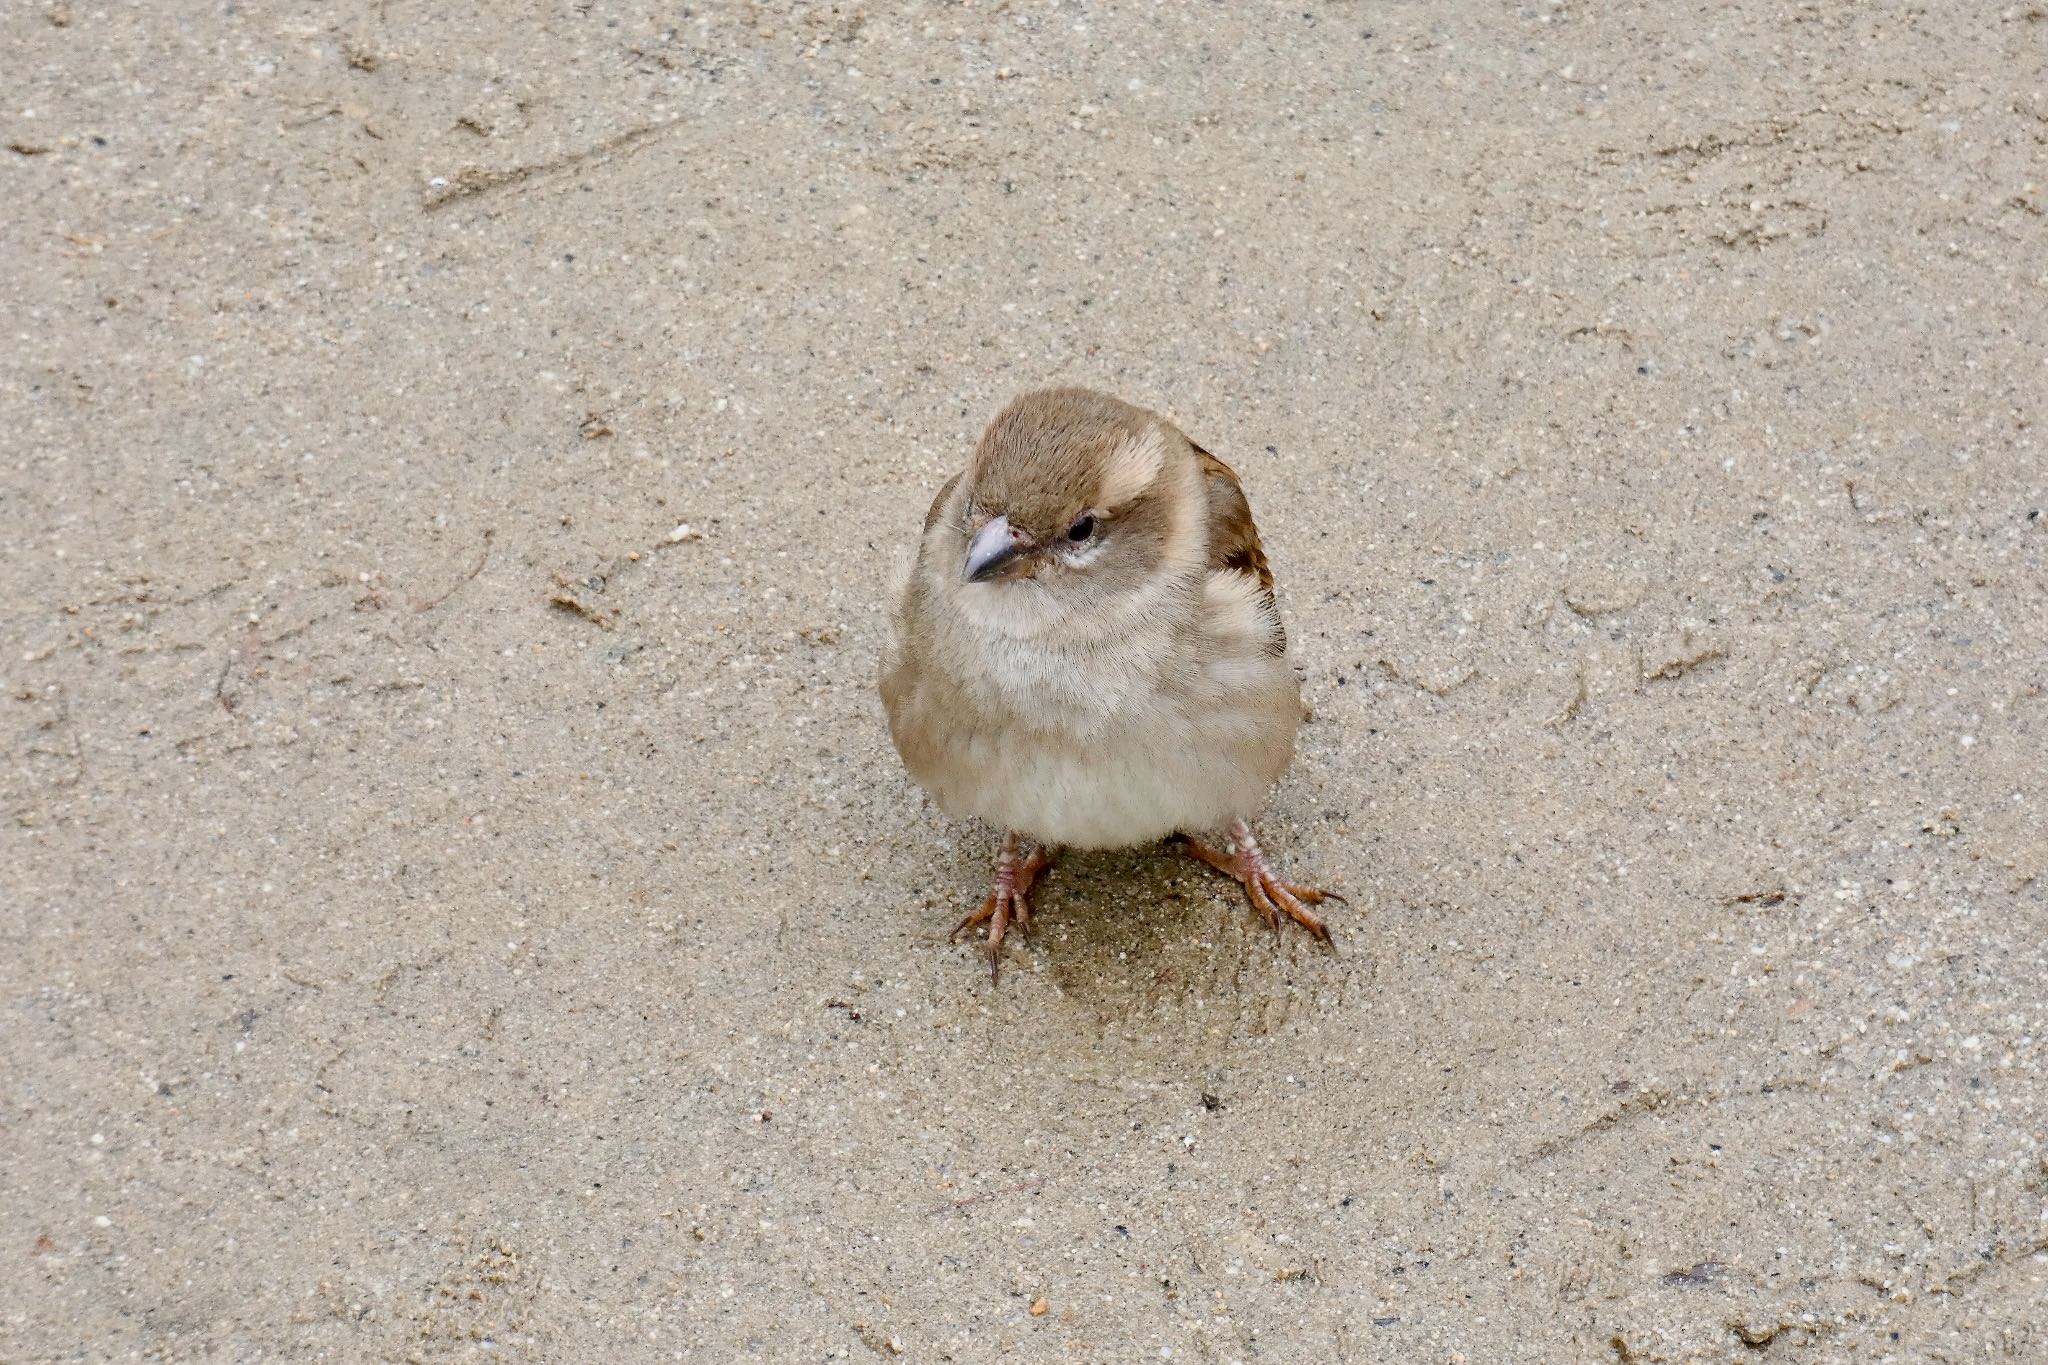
(1142, 732)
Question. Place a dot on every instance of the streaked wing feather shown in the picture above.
(1234, 537)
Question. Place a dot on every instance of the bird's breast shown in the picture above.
(1101, 749)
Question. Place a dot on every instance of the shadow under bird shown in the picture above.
(1088, 653)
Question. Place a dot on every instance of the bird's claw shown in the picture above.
(1271, 896)
(1009, 901)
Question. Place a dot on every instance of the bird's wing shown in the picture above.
(1233, 535)
(1234, 545)
(931, 518)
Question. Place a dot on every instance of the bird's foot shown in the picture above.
(1009, 899)
(1269, 895)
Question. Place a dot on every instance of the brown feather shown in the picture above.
(1234, 536)
(1043, 457)
(931, 518)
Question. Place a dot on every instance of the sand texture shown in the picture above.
(460, 901)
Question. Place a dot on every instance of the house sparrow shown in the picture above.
(1088, 652)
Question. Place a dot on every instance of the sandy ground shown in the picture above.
(450, 916)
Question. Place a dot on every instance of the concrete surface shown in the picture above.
(450, 915)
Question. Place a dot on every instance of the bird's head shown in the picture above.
(1075, 506)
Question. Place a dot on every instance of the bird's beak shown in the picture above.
(995, 551)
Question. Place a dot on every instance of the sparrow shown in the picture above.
(1087, 653)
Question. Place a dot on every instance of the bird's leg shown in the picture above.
(1009, 900)
(1269, 895)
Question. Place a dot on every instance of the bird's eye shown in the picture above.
(1083, 527)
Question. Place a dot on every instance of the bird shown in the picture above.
(1087, 654)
